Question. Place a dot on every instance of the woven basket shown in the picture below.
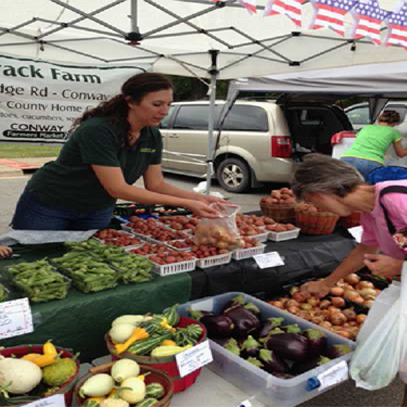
(66, 389)
(154, 375)
(280, 213)
(350, 221)
(316, 223)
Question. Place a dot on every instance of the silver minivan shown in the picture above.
(257, 141)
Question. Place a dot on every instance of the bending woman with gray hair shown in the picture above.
(335, 186)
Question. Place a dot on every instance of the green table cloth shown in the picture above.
(80, 321)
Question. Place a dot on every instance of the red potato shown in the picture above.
(117, 237)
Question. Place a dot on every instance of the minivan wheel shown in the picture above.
(233, 175)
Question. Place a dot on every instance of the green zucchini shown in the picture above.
(155, 390)
(172, 315)
(145, 346)
(148, 402)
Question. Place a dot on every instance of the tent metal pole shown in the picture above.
(133, 17)
(213, 71)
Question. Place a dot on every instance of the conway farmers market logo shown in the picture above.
(31, 71)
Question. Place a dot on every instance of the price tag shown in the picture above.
(266, 260)
(336, 374)
(58, 400)
(15, 318)
(193, 358)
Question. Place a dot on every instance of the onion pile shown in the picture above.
(332, 311)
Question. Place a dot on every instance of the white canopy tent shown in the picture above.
(181, 37)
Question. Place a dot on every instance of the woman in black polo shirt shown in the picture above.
(111, 147)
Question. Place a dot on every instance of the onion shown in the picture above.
(313, 301)
(360, 318)
(338, 302)
(337, 291)
(365, 292)
(333, 310)
(306, 307)
(294, 290)
(293, 309)
(324, 304)
(325, 324)
(349, 313)
(292, 303)
(338, 318)
(352, 279)
(299, 297)
(277, 304)
(364, 284)
(368, 303)
(317, 320)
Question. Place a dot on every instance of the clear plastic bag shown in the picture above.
(221, 232)
(381, 346)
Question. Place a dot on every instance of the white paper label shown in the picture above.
(356, 232)
(266, 260)
(15, 318)
(193, 358)
(336, 374)
(58, 400)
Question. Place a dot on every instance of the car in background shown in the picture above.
(358, 115)
(257, 142)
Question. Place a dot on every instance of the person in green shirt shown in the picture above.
(110, 147)
(368, 150)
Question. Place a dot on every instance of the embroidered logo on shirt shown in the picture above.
(147, 150)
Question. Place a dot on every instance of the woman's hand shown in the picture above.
(5, 251)
(318, 288)
(203, 210)
(383, 266)
(208, 199)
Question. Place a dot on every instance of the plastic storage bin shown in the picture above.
(269, 389)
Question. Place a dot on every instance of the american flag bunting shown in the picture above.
(290, 8)
(397, 28)
(250, 5)
(331, 14)
(368, 18)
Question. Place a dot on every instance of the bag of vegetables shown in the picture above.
(221, 232)
(380, 355)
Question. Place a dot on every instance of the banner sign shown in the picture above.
(39, 101)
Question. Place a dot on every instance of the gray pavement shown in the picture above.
(345, 395)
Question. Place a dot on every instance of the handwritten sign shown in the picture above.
(336, 374)
(15, 318)
(57, 400)
(194, 358)
(266, 260)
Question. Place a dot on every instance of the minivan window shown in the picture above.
(194, 117)
(359, 115)
(164, 122)
(246, 118)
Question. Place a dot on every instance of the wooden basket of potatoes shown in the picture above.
(280, 205)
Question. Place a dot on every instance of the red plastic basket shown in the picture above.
(350, 221)
(66, 389)
(166, 364)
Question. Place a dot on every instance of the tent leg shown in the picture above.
(211, 118)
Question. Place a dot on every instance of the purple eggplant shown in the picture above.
(289, 346)
(232, 346)
(218, 326)
(302, 367)
(233, 303)
(336, 351)
(293, 329)
(270, 324)
(255, 362)
(245, 322)
(197, 315)
(272, 363)
(250, 347)
(274, 331)
(317, 341)
(254, 309)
